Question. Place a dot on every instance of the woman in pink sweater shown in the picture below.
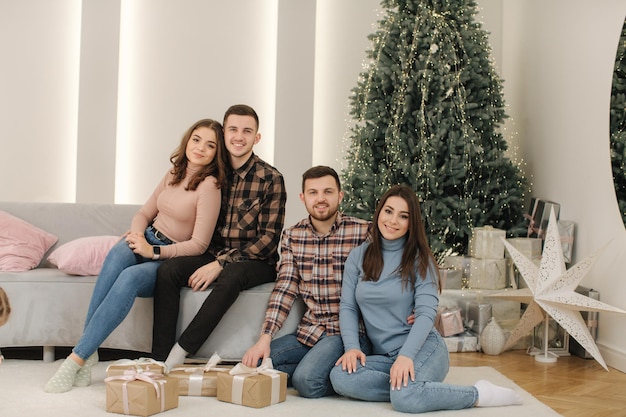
(177, 220)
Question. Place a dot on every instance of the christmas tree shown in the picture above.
(427, 112)
(618, 124)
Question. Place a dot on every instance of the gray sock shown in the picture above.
(83, 376)
(176, 357)
(63, 379)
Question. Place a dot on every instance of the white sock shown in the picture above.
(63, 378)
(176, 357)
(83, 376)
(490, 395)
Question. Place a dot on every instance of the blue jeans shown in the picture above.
(308, 368)
(123, 277)
(426, 393)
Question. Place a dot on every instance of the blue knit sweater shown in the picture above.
(384, 305)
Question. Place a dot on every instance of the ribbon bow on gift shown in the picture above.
(241, 372)
(140, 364)
(197, 374)
(146, 376)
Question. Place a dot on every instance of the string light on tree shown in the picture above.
(427, 112)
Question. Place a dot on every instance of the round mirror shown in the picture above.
(618, 124)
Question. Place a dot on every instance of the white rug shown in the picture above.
(22, 395)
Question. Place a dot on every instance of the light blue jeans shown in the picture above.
(123, 277)
(426, 393)
(308, 368)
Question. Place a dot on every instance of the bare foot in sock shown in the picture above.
(83, 376)
(63, 379)
(490, 395)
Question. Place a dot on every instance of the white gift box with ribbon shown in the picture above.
(252, 387)
(199, 380)
(486, 242)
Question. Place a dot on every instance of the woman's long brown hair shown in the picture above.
(416, 250)
(218, 167)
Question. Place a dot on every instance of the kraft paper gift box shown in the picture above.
(486, 242)
(120, 367)
(252, 387)
(464, 342)
(198, 380)
(487, 274)
(478, 314)
(140, 393)
(449, 322)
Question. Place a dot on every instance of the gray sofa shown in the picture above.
(49, 306)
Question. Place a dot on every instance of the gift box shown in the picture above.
(591, 319)
(252, 387)
(464, 342)
(487, 274)
(140, 393)
(460, 264)
(478, 316)
(502, 309)
(539, 215)
(449, 322)
(486, 242)
(566, 232)
(451, 277)
(531, 248)
(198, 380)
(120, 367)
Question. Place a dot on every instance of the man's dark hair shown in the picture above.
(241, 110)
(319, 172)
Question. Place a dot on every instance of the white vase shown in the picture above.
(492, 338)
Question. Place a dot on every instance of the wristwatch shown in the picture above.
(157, 252)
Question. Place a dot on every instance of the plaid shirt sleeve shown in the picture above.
(256, 238)
(285, 290)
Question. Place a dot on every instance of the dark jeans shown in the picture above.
(173, 275)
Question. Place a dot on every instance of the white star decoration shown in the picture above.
(552, 289)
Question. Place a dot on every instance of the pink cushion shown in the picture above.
(22, 245)
(83, 256)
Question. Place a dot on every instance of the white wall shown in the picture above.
(39, 46)
(558, 63)
(70, 138)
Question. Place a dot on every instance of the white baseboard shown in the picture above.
(614, 358)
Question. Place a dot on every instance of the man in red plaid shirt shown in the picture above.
(313, 253)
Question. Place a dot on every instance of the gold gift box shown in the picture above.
(195, 380)
(252, 390)
(125, 366)
(139, 397)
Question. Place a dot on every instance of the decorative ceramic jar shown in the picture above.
(492, 338)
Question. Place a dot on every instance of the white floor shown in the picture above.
(22, 395)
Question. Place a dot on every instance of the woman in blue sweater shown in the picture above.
(383, 282)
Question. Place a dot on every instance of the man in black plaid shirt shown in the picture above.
(243, 255)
